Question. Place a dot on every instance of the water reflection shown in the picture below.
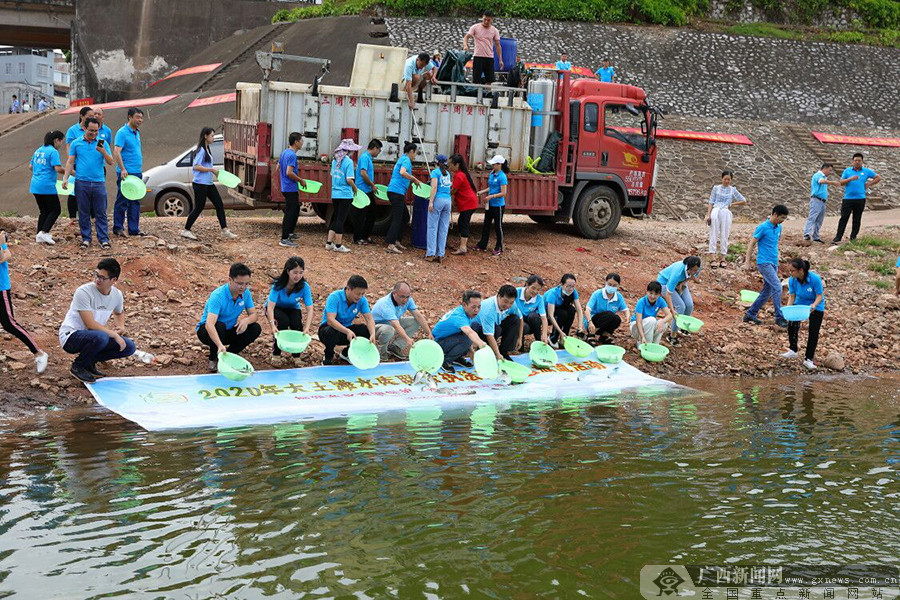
(552, 499)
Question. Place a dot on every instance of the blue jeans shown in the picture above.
(94, 346)
(125, 207)
(455, 346)
(683, 304)
(771, 288)
(438, 224)
(91, 199)
(815, 218)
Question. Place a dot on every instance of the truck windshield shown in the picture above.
(624, 125)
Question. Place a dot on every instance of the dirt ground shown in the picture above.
(167, 279)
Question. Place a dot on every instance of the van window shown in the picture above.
(186, 160)
(218, 152)
(591, 117)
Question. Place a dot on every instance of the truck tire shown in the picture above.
(322, 210)
(597, 212)
(307, 209)
(383, 219)
(173, 203)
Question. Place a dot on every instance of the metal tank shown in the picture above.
(542, 98)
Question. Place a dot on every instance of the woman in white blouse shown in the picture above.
(718, 217)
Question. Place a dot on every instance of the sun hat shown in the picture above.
(441, 159)
(348, 145)
(497, 160)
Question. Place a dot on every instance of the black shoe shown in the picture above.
(806, 238)
(326, 362)
(448, 367)
(139, 234)
(835, 242)
(819, 241)
(93, 370)
(463, 362)
(672, 339)
(754, 320)
(82, 374)
(119, 232)
(293, 236)
(781, 323)
(343, 355)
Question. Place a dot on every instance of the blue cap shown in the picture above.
(441, 159)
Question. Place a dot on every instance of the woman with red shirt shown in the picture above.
(462, 190)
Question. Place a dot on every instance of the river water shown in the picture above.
(550, 502)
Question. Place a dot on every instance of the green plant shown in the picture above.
(881, 285)
(872, 245)
(736, 250)
(8, 213)
(882, 268)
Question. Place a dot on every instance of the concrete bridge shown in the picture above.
(36, 23)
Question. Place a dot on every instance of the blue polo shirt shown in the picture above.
(554, 296)
(365, 162)
(856, 189)
(106, 134)
(647, 308)
(451, 323)
(526, 307)
(443, 184)
(129, 140)
(202, 158)
(767, 236)
(496, 181)
(74, 132)
(384, 311)
(340, 173)
(898, 263)
(43, 175)
(606, 74)
(89, 162)
(816, 188)
(805, 293)
(287, 159)
(4, 276)
(564, 65)
(672, 275)
(344, 313)
(491, 316)
(283, 299)
(410, 69)
(399, 184)
(598, 304)
(226, 308)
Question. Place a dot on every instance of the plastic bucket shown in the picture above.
(796, 312)
(292, 342)
(690, 324)
(577, 348)
(509, 48)
(381, 191)
(427, 356)
(486, 363)
(419, 225)
(133, 188)
(421, 190)
(749, 296)
(517, 373)
(309, 186)
(654, 352)
(363, 354)
(69, 190)
(609, 353)
(542, 355)
(229, 180)
(234, 367)
(361, 199)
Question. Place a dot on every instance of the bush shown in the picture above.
(881, 14)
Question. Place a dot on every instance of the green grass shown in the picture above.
(736, 252)
(876, 247)
(9, 213)
(148, 214)
(882, 268)
(881, 285)
(872, 37)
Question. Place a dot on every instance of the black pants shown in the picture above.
(565, 316)
(331, 337)
(395, 229)
(72, 206)
(463, 222)
(341, 207)
(235, 342)
(202, 192)
(363, 219)
(482, 70)
(8, 322)
(291, 214)
(812, 341)
(492, 216)
(287, 318)
(533, 326)
(606, 323)
(506, 338)
(850, 207)
(48, 207)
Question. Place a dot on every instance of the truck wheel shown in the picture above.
(597, 213)
(307, 210)
(173, 204)
(322, 210)
(383, 219)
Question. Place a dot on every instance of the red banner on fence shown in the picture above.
(82, 102)
(220, 99)
(193, 70)
(831, 138)
(697, 136)
(125, 103)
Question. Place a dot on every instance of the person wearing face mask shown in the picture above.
(563, 306)
(289, 305)
(675, 290)
(603, 310)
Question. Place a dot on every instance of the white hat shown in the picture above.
(497, 160)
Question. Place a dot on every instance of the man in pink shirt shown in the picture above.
(487, 39)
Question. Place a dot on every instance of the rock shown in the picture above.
(173, 296)
(16, 366)
(21, 355)
(161, 243)
(156, 344)
(182, 360)
(35, 382)
(164, 359)
(834, 361)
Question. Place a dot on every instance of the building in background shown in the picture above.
(26, 74)
(62, 80)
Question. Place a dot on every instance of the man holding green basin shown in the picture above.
(393, 327)
(454, 333)
(341, 309)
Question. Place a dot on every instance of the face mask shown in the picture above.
(610, 290)
(565, 293)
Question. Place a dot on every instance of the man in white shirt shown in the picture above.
(84, 331)
(393, 329)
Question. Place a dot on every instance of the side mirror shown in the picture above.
(632, 109)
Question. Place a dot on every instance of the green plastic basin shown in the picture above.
(577, 348)
(234, 367)
(308, 186)
(517, 373)
(486, 363)
(133, 188)
(69, 190)
(363, 354)
(654, 352)
(426, 356)
(691, 324)
(421, 190)
(292, 342)
(749, 296)
(361, 199)
(609, 353)
(381, 191)
(229, 180)
(542, 355)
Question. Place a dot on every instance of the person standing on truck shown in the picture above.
(204, 186)
(401, 177)
(487, 41)
(495, 202)
(462, 190)
(288, 174)
(363, 219)
(718, 216)
(563, 306)
(856, 180)
(129, 161)
(606, 73)
(564, 64)
(416, 72)
(438, 210)
(343, 189)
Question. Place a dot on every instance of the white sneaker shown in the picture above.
(48, 239)
(40, 362)
(810, 365)
(187, 233)
(789, 354)
(226, 233)
(329, 246)
(39, 238)
(341, 248)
